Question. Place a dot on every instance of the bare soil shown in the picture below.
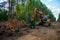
(39, 33)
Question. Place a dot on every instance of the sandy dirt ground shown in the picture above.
(39, 33)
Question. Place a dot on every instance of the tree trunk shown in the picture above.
(26, 10)
(11, 8)
(9, 1)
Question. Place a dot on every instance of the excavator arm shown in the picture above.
(40, 14)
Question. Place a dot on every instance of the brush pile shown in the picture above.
(11, 26)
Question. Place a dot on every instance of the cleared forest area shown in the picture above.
(16, 19)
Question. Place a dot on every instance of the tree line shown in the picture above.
(23, 9)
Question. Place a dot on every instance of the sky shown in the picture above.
(2, 0)
(6, 6)
(53, 5)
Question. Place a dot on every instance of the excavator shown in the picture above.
(43, 19)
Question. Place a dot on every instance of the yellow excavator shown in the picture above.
(43, 19)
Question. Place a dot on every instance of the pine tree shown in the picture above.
(58, 18)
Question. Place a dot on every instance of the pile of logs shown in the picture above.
(11, 26)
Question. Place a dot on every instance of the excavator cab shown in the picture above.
(45, 21)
